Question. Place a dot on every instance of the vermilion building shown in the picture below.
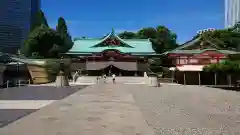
(193, 55)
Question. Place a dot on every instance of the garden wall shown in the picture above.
(39, 75)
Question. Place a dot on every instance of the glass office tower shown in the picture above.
(15, 20)
(232, 12)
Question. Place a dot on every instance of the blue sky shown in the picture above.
(94, 18)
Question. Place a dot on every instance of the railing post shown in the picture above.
(19, 83)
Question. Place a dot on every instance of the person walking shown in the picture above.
(105, 78)
(114, 78)
(98, 78)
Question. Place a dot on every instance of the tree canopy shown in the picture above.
(127, 35)
(227, 66)
(62, 29)
(161, 37)
(222, 39)
(165, 40)
(146, 33)
(39, 19)
(42, 42)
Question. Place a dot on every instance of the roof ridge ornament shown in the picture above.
(113, 31)
(113, 40)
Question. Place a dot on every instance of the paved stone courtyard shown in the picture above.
(16, 103)
(135, 110)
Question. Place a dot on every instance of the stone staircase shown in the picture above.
(86, 80)
(122, 80)
(130, 80)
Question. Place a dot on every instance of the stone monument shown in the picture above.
(62, 79)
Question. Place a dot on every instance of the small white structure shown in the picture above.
(153, 80)
(188, 68)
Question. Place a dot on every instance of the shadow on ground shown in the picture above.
(38, 93)
(229, 88)
(8, 116)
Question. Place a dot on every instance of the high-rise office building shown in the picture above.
(15, 20)
(232, 12)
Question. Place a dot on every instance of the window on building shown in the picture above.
(183, 61)
(213, 60)
(193, 61)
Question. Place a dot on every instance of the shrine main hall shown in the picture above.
(123, 57)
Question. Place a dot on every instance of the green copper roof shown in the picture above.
(197, 51)
(189, 43)
(127, 46)
(112, 35)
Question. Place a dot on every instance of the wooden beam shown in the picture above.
(199, 78)
(184, 78)
(215, 79)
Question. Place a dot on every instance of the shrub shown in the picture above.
(226, 66)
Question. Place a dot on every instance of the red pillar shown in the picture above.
(217, 59)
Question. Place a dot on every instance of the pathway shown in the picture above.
(136, 110)
(97, 110)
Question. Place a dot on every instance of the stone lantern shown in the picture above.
(62, 79)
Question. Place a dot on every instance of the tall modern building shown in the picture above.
(232, 12)
(15, 20)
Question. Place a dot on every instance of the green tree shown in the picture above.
(42, 42)
(162, 38)
(227, 66)
(127, 35)
(147, 33)
(222, 39)
(236, 27)
(165, 40)
(62, 29)
(39, 19)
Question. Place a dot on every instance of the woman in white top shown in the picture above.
(113, 78)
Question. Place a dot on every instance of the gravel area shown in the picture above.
(189, 109)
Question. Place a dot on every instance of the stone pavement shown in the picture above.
(96, 110)
(18, 102)
(136, 110)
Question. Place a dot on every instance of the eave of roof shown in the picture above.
(184, 45)
(201, 51)
(90, 53)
